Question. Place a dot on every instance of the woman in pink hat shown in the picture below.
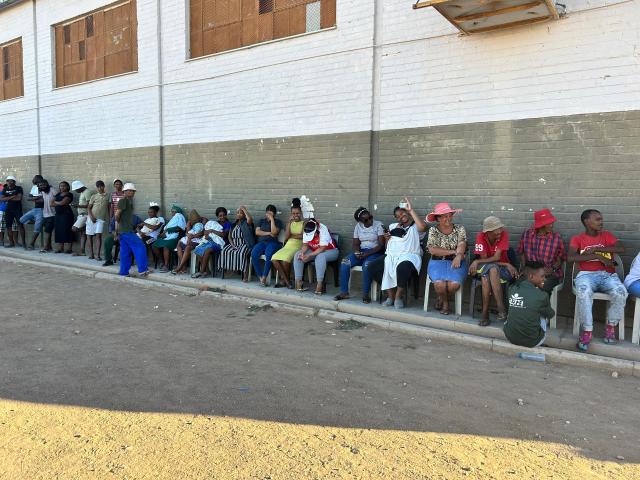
(447, 244)
(541, 244)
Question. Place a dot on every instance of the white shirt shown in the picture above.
(215, 226)
(368, 236)
(400, 250)
(634, 272)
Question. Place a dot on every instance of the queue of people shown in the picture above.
(391, 256)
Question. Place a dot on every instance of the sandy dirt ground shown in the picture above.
(105, 380)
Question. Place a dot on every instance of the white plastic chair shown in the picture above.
(458, 297)
(635, 334)
(599, 296)
(281, 235)
(554, 296)
(354, 269)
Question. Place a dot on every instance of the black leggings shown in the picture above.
(404, 271)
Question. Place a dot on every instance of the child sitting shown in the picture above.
(529, 308)
(149, 230)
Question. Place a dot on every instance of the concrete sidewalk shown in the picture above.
(624, 357)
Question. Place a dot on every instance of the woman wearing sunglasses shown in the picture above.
(368, 244)
(318, 245)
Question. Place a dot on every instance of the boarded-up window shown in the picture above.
(11, 83)
(220, 25)
(98, 44)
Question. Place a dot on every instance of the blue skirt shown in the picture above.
(442, 271)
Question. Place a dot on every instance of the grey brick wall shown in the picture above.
(332, 170)
(138, 165)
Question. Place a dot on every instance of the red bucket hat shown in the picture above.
(441, 209)
(543, 217)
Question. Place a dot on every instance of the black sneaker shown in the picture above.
(108, 263)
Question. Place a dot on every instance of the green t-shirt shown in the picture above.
(126, 216)
(527, 304)
(83, 199)
(100, 209)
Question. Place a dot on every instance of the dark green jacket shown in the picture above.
(527, 304)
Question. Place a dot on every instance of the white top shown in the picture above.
(35, 192)
(152, 221)
(214, 225)
(48, 211)
(368, 235)
(400, 250)
(634, 273)
(325, 236)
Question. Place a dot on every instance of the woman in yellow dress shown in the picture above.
(281, 260)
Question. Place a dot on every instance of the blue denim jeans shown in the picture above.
(634, 289)
(267, 249)
(588, 283)
(34, 215)
(352, 261)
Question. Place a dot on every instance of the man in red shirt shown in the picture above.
(594, 251)
(492, 245)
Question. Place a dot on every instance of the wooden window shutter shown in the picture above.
(99, 44)
(11, 74)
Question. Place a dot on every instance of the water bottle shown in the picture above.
(536, 357)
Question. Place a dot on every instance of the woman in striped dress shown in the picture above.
(235, 255)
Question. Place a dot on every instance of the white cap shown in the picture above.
(77, 185)
(129, 186)
(116, 180)
(11, 177)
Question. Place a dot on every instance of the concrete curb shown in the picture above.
(432, 327)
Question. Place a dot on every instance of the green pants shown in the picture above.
(107, 246)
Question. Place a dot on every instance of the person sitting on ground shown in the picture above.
(317, 245)
(149, 230)
(292, 243)
(195, 232)
(541, 244)
(82, 208)
(130, 245)
(48, 214)
(64, 218)
(529, 308)
(97, 216)
(213, 240)
(447, 243)
(632, 280)
(403, 258)
(168, 239)
(594, 249)
(234, 256)
(368, 244)
(11, 198)
(267, 232)
(35, 214)
(493, 266)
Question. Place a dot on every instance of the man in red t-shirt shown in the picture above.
(492, 245)
(594, 251)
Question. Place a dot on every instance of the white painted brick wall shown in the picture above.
(321, 83)
(587, 62)
(18, 135)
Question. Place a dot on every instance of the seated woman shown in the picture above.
(195, 232)
(235, 254)
(318, 245)
(493, 266)
(214, 239)
(292, 242)
(447, 244)
(267, 234)
(404, 254)
(149, 230)
(169, 237)
(368, 244)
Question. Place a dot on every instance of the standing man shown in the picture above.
(12, 198)
(594, 249)
(35, 214)
(48, 213)
(82, 206)
(130, 243)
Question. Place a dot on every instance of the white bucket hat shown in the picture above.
(11, 177)
(76, 185)
(129, 186)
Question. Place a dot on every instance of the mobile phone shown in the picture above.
(403, 205)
